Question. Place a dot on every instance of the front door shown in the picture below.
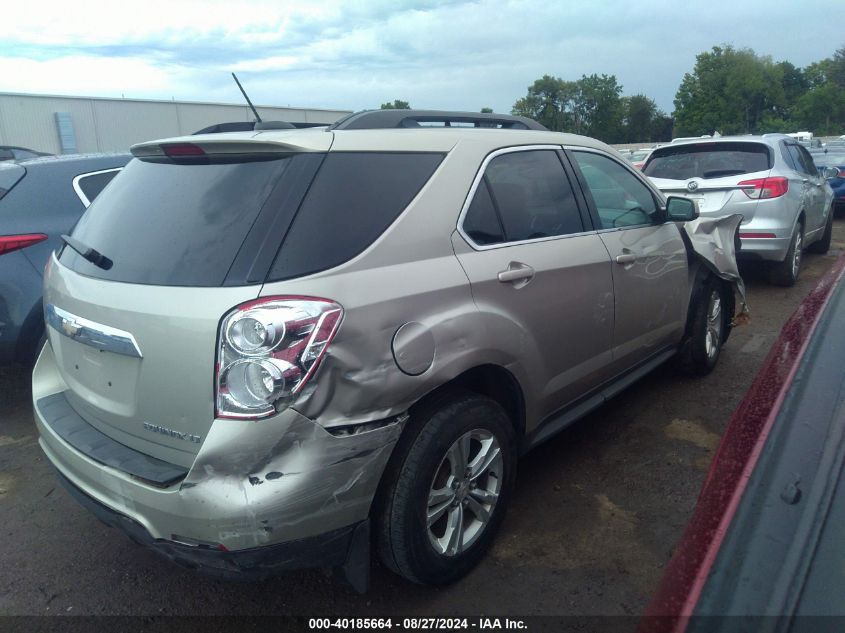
(650, 271)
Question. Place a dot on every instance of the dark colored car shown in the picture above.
(12, 152)
(40, 199)
(766, 536)
(834, 158)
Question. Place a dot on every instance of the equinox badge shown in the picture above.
(155, 428)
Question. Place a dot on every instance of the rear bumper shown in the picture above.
(252, 484)
(331, 549)
(766, 248)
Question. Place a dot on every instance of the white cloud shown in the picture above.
(359, 53)
(87, 75)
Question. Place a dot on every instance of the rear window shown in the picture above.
(353, 199)
(9, 177)
(174, 224)
(92, 184)
(708, 160)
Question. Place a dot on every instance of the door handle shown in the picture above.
(626, 258)
(516, 271)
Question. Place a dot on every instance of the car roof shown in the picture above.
(421, 139)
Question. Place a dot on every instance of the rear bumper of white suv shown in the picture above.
(254, 486)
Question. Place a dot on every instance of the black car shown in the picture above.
(40, 199)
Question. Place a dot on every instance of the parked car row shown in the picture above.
(272, 349)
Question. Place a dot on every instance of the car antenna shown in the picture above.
(243, 92)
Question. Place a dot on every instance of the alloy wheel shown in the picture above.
(464, 492)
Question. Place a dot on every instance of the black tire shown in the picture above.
(702, 349)
(403, 539)
(786, 273)
(820, 247)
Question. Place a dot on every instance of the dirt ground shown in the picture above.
(593, 521)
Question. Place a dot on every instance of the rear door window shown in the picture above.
(523, 195)
(482, 224)
(807, 161)
(708, 160)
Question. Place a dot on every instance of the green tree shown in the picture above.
(836, 70)
(550, 101)
(396, 105)
(731, 91)
(591, 105)
(599, 107)
(816, 74)
(486, 110)
(822, 110)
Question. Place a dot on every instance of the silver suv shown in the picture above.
(770, 180)
(270, 350)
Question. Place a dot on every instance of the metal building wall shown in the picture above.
(105, 125)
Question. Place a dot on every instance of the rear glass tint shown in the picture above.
(174, 224)
(482, 223)
(353, 199)
(708, 160)
(9, 177)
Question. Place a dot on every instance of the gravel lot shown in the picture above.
(595, 516)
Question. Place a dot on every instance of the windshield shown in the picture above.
(708, 160)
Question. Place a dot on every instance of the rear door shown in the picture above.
(812, 185)
(649, 258)
(539, 272)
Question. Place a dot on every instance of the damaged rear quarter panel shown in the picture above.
(282, 478)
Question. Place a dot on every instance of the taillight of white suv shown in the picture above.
(267, 351)
(765, 188)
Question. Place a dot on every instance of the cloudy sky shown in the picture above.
(355, 54)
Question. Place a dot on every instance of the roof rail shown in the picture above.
(388, 119)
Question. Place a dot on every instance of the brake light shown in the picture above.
(841, 173)
(765, 188)
(268, 350)
(9, 243)
(182, 150)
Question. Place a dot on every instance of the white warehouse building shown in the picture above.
(70, 125)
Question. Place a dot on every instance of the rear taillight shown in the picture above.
(268, 350)
(9, 243)
(841, 173)
(764, 188)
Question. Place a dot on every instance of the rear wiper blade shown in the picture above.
(93, 256)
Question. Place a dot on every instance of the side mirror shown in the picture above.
(830, 172)
(681, 209)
